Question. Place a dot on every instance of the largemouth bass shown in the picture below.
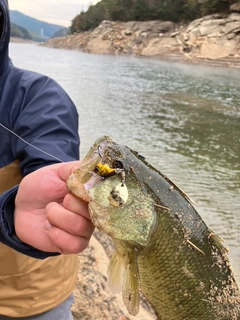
(163, 247)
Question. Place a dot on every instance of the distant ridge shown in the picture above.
(41, 28)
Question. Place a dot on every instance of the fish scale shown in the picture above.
(174, 292)
(182, 275)
(163, 247)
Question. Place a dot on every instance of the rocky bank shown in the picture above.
(213, 39)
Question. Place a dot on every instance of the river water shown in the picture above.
(185, 119)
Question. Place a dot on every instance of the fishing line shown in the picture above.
(31, 145)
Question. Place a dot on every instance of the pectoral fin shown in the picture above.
(115, 273)
(123, 274)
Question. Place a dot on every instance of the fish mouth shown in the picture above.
(96, 152)
(84, 178)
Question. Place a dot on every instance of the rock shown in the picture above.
(214, 36)
(99, 46)
(163, 27)
(159, 46)
(231, 27)
(174, 34)
(217, 50)
(154, 26)
(127, 32)
(235, 7)
(209, 27)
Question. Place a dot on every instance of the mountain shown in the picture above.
(20, 32)
(41, 28)
(61, 33)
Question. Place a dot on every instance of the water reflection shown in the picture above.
(184, 119)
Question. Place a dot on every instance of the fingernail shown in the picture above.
(47, 225)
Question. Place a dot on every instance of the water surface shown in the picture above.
(185, 119)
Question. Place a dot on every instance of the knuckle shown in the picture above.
(68, 243)
(67, 200)
(56, 236)
(78, 227)
(77, 246)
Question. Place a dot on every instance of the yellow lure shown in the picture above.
(104, 170)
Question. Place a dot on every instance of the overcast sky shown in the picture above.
(59, 12)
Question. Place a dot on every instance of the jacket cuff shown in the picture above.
(7, 230)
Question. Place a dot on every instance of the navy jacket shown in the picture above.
(37, 109)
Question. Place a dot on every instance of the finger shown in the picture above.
(66, 169)
(68, 221)
(65, 242)
(76, 205)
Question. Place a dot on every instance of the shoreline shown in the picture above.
(232, 63)
(228, 63)
(211, 40)
(176, 57)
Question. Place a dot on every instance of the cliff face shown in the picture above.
(212, 37)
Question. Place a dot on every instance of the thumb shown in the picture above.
(65, 169)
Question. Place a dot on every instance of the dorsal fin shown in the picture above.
(217, 241)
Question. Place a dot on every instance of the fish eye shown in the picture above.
(117, 165)
(96, 169)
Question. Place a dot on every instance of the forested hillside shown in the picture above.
(33, 25)
(19, 32)
(142, 10)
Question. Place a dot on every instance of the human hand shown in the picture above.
(47, 216)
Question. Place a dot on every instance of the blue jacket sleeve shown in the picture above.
(42, 114)
(48, 119)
